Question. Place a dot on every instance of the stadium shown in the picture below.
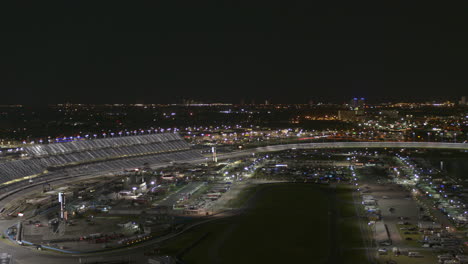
(47, 162)
(117, 195)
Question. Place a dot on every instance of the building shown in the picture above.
(350, 115)
(357, 103)
(389, 113)
(425, 225)
(463, 101)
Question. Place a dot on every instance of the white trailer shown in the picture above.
(381, 234)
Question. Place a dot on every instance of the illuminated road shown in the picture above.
(352, 145)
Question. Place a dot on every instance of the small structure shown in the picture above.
(429, 225)
(381, 234)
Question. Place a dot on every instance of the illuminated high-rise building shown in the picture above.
(357, 103)
(463, 101)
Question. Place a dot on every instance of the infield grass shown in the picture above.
(282, 223)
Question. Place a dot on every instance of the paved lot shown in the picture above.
(403, 206)
(172, 198)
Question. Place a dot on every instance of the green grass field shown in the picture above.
(284, 223)
(242, 197)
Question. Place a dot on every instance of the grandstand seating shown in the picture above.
(103, 143)
(99, 155)
(137, 162)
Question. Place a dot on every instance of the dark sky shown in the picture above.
(287, 51)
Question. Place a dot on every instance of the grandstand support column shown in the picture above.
(19, 233)
(215, 158)
(61, 198)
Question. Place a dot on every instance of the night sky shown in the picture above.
(285, 51)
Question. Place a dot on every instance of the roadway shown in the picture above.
(344, 145)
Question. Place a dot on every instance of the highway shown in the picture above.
(352, 145)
